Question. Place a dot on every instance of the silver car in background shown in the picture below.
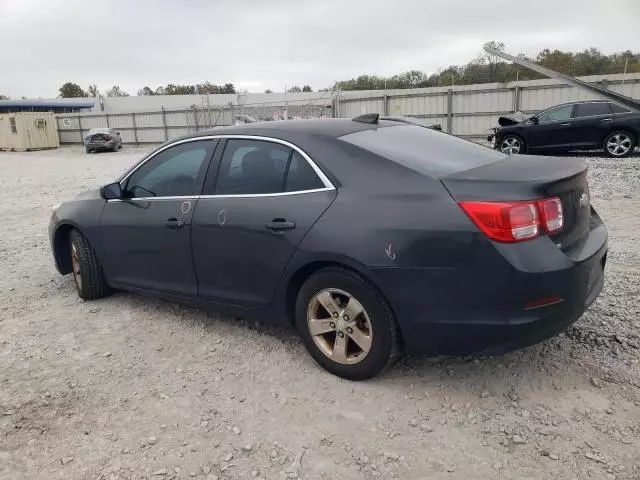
(98, 139)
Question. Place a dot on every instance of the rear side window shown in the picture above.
(618, 109)
(254, 167)
(591, 109)
(301, 176)
(424, 150)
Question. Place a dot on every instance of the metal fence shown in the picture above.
(144, 127)
(471, 110)
(159, 126)
(465, 110)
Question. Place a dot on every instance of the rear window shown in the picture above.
(424, 150)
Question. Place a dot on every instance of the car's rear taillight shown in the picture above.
(511, 222)
(551, 210)
(504, 221)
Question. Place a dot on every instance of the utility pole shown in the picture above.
(285, 114)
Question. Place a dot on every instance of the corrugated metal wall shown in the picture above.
(471, 110)
(465, 110)
(143, 127)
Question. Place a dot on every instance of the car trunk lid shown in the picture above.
(523, 178)
(100, 138)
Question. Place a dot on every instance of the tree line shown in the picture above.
(73, 90)
(485, 68)
(488, 68)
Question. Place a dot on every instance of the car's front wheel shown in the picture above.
(511, 145)
(346, 324)
(619, 144)
(87, 272)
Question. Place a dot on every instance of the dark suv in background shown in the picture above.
(590, 125)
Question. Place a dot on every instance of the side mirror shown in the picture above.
(534, 120)
(118, 133)
(111, 192)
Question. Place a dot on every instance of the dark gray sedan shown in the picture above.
(102, 139)
(370, 236)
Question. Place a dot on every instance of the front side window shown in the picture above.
(591, 109)
(253, 167)
(173, 172)
(556, 114)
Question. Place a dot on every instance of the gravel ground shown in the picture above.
(133, 388)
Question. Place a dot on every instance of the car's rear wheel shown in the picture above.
(346, 324)
(511, 145)
(619, 144)
(87, 272)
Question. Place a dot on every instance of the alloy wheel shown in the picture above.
(510, 146)
(339, 326)
(75, 264)
(619, 144)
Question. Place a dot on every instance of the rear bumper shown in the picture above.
(476, 309)
(101, 145)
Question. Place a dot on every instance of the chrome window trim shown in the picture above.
(325, 180)
(236, 195)
(258, 195)
(146, 199)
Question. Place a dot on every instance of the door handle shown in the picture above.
(567, 124)
(173, 224)
(277, 225)
(606, 120)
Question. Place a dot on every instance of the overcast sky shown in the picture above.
(260, 44)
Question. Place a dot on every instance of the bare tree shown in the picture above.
(116, 91)
(492, 59)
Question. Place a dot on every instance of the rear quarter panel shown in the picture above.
(629, 122)
(404, 233)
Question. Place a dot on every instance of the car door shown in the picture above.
(252, 215)
(146, 234)
(552, 129)
(590, 123)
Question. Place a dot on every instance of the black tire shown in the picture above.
(87, 273)
(625, 142)
(87, 149)
(385, 346)
(511, 139)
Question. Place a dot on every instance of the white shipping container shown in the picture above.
(22, 131)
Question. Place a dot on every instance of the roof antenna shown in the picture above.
(367, 118)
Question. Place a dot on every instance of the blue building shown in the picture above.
(55, 105)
